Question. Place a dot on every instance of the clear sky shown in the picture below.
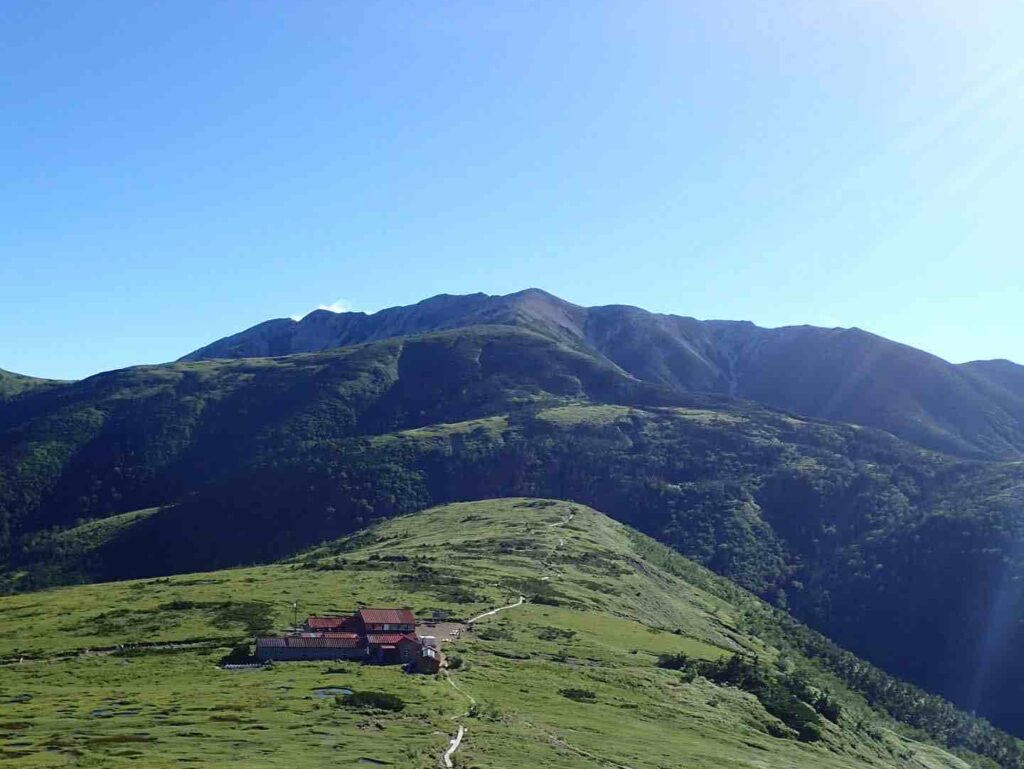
(174, 172)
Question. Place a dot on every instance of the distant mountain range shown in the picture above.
(849, 375)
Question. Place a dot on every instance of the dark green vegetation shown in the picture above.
(579, 695)
(571, 682)
(849, 375)
(910, 558)
(787, 696)
(372, 701)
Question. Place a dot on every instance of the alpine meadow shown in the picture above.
(576, 385)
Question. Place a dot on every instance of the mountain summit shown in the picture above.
(973, 410)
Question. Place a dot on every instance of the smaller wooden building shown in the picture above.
(428, 661)
(392, 648)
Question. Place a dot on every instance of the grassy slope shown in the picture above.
(12, 384)
(822, 516)
(616, 612)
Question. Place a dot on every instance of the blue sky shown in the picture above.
(171, 173)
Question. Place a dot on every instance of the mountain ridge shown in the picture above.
(612, 650)
(972, 410)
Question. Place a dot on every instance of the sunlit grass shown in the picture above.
(606, 615)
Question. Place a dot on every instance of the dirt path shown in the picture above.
(492, 612)
(546, 561)
(567, 518)
(560, 742)
(454, 742)
(453, 745)
(461, 691)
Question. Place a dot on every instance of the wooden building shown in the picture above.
(311, 647)
(387, 620)
(428, 661)
(348, 623)
(392, 648)
(384, 636)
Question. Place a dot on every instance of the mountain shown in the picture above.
(324, 330)
(623, 654)
(972, 410)
(906, 556)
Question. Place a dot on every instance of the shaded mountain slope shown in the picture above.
(901, 554)
(839, 374)
(1002, 373)
(585, 674)
(143, 436)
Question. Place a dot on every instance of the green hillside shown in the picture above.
(12, 384)
(908, 557)
(583, 674)
(143, 436)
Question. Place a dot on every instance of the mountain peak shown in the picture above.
(844, 374)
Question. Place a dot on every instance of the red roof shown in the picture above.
(387, 616)
(346, 623)
(311, 642)
(385, 639)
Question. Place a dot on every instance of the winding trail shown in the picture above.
(455, 741)
(546, 561)
(492, 612)
(461, 691)
(564, 521)
(453, 745)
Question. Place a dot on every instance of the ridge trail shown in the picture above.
(456, 741)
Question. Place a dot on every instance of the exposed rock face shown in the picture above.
(974, 410)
